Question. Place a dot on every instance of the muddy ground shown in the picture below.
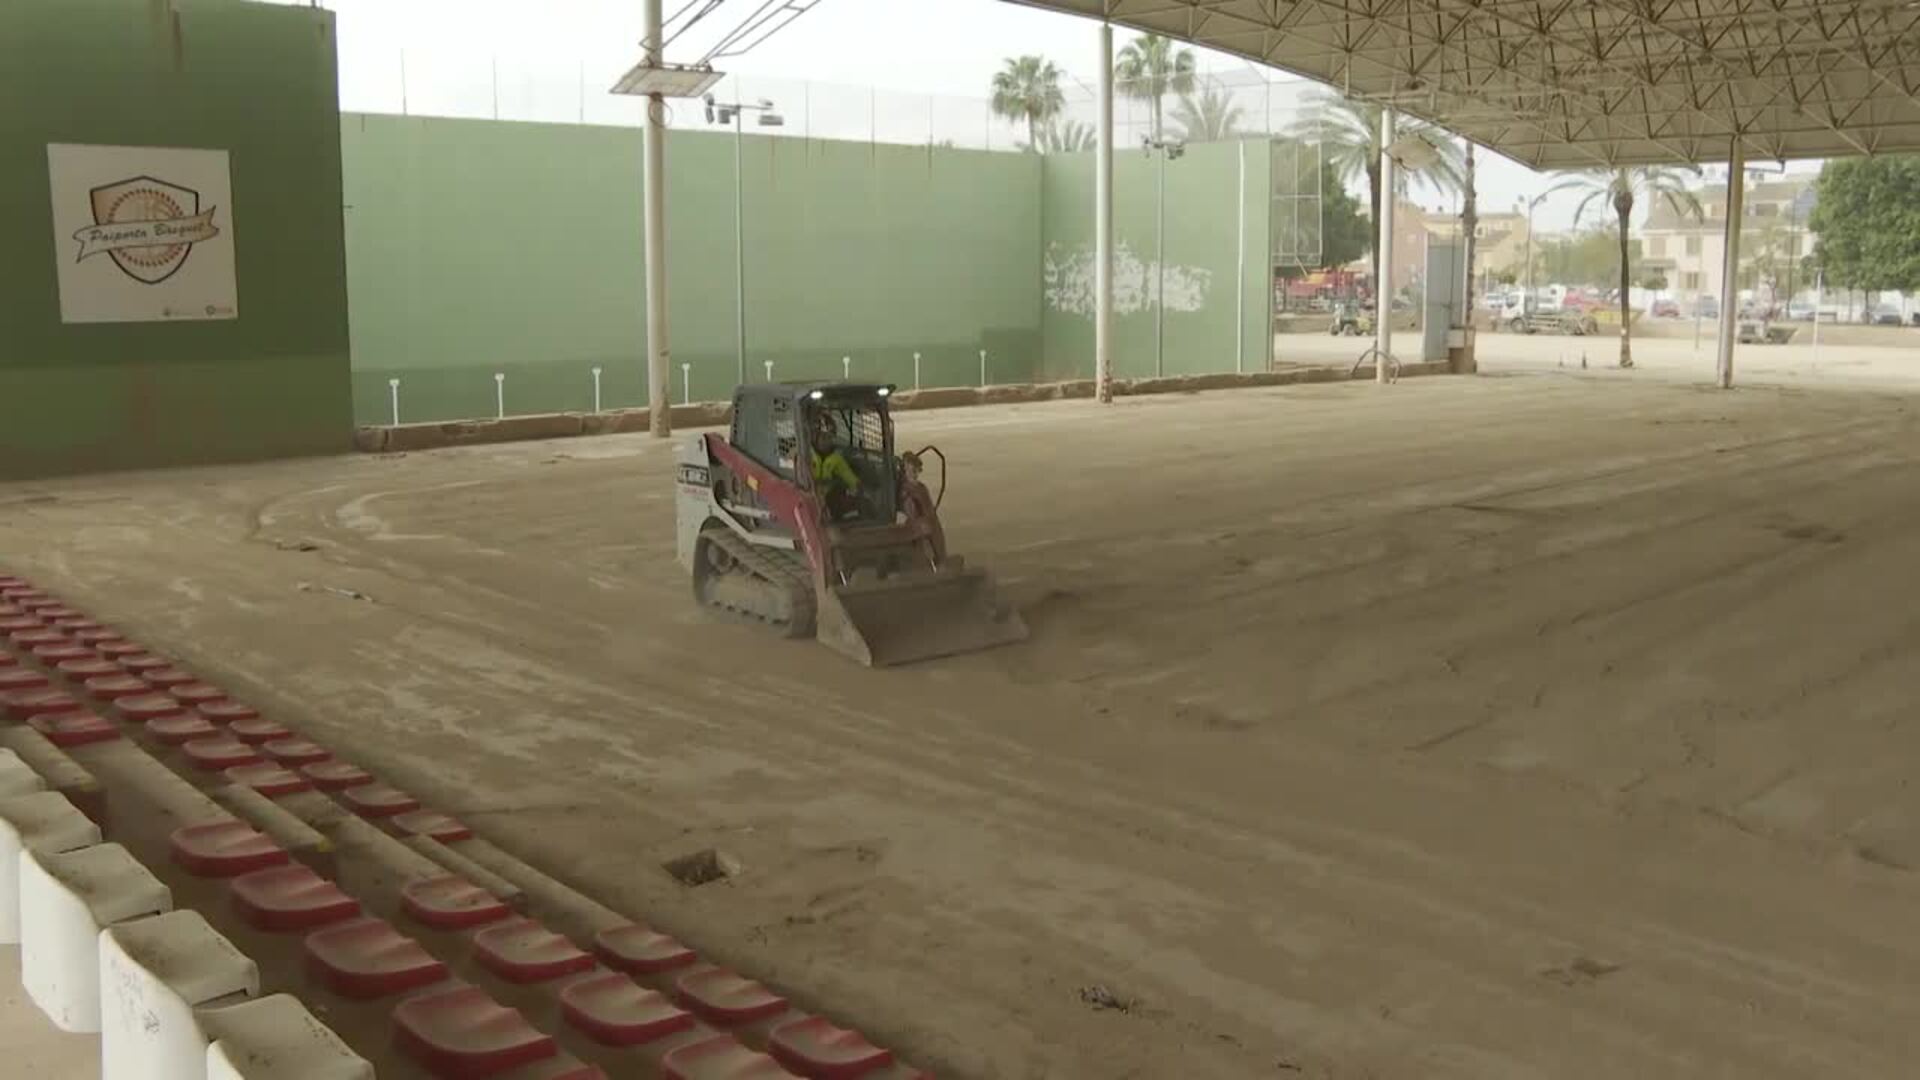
(1536, 724)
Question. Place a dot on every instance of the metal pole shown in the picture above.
(1819, 300)
(1730, 272)
(1103, 228)
(739, 251)
(1240, 273)
(1383, 289)
(1532, 204)
(659, 393)
(1160, 263)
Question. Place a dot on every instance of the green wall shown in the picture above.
(1202, 258)
(478, 247)
(253, 79)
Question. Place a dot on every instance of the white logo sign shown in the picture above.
(142, 234)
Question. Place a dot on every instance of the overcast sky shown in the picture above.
(553, 59)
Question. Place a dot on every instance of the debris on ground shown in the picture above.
(703, 866)
(351, 594)
(1102, 998)
(296, 545)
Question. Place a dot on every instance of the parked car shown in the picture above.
(1665, 309)
(1707, 308)
(1800, 311)
(1884, 317)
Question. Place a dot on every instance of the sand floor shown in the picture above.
(1536, 724)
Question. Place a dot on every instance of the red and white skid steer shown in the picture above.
(866, 569)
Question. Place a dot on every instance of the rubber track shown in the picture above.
(770, 569)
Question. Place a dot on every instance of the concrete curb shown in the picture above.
(407, 437)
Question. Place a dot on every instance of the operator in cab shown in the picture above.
(833, 478)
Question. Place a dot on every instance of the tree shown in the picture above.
(1028, 88)
(1345, 235)
(1149, 69)
(1211, 117)
(1065, 136)
(1621, 188)
(1868, 220)
(1349, 134)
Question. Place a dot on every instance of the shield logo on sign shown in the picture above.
(143, 200)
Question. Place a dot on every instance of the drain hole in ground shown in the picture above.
(701, 867)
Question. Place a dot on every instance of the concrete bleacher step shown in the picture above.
(276, 1038)
(157, 974)
(300, 840)
(462, 867)
(59, 770)
(45, 822)
(66, 900)
(17, 777)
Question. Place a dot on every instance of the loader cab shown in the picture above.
(773, 424)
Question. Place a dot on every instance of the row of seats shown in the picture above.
(636, 999)
(101, 948)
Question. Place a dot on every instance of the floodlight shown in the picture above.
(1412, 152)
(667, 80)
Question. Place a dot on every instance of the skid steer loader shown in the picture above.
(867, 571)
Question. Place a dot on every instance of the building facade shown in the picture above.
(1774, 241)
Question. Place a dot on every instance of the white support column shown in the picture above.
(1240, 271)
(659, 392)
(1103, 228)
(1383, 288)
(1730, 271)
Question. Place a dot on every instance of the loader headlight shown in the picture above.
(885, 390)
(817, 395)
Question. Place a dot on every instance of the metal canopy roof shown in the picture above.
(1580, 83)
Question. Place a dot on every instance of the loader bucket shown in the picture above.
(901, 619)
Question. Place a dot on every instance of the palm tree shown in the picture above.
(1028, 88)
(1348, 132)
(1150, 68)
(1065, 136)
(1621, 188)
(1211, 117)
